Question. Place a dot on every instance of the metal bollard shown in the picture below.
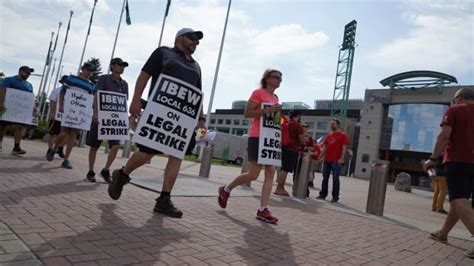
(82, 138)
(205, 168)
(300, 184)
(377, 187)
(127, 146)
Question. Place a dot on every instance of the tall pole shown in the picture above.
(46, 64)
(87, 37)
(64, 46)
(43, 105)
(216, 74)
(117, 34)
(164, 21)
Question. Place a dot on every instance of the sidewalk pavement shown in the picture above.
(51, 216)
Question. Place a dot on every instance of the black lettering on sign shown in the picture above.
(178, 96)
(112, 102)
(271, 154)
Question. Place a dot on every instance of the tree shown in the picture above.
(2, 76)
(95, 62)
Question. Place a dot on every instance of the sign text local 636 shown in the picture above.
(169, 119)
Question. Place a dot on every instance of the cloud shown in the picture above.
(437, 41)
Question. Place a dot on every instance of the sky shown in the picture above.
(299, 37)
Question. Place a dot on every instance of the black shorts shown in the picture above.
(289, 159)
(8, 123)
(252, 149)
(54, 127)
(93, 140)
(460, 179)
(189, 151)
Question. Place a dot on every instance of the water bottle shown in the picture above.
(431, 172)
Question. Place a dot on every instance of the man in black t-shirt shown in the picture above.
(176, 62)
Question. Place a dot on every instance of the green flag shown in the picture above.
(127, 14)
(167, 8)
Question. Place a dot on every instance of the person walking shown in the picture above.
(176, 62)
(455, 139)
(18, 82)
(269, 82)
(112, 82)
(54, 127)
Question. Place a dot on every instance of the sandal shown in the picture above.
(284, 193)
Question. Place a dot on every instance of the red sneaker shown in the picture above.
(266, 216)
(223, 197)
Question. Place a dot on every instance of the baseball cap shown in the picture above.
(118, 61)
(63, 78)
(26, 68)
(87, 66)
(189, 31)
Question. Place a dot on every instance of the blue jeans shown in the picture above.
(336, 169)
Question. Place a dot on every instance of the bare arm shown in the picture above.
(344, 149)
(52, 112)
(142, 80)
(441, 141)
(61, 102)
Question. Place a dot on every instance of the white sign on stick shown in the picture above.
(269, 142)
(77, 109)
(169, 119)
(112, 115)
(19, 106)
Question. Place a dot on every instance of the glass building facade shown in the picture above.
(414, 127)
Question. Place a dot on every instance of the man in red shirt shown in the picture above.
(334, 149)
(456, 138)
(289, 157)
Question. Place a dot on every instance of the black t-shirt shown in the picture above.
(172, 62)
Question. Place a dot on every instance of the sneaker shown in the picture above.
(438, 237)
(320, 197)
(116, 184)
(442, 211)
(66, 164)
(105, 174)
(266, 216)
(223, 197)
(90, 176)
(60, 152)
(18, 151)
(166, 207)
(310, 184)
(469, 253)
(50, 155)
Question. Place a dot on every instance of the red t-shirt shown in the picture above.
(294, 130)
(334, 142)
(461, 142)
(260, 96)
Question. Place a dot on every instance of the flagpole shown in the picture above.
(64, 45)
(43, 106)
(164, 21)
(87, 37)
(216, 74)
(117, 34)
(46, 64)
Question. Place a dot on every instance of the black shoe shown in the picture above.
(310, 184)
(18, 151)
(119, 180)
(166, 207)
(320, 197)
(91, 176)
(60, 152)
(105, 174)
(334, 200)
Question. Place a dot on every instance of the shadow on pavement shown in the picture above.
(14, 196)
(37, 168)
(264, 241)
(113, 241)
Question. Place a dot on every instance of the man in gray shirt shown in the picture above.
(115, 83)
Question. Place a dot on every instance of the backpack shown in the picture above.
(285, 132)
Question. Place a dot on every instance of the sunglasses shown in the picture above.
(305, 126)
(192, 37)
(275, 77)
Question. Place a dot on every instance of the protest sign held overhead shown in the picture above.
(269, 146)
(169, 119)
(18, 106)
(112, 115)
(77, 109)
